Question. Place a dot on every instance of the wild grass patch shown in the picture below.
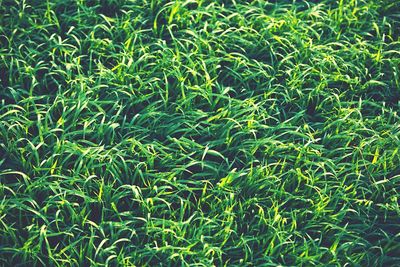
(225, 133)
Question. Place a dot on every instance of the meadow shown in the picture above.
(199, 133)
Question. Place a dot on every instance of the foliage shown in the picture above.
(227, 133)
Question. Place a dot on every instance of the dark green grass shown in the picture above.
(226, 133)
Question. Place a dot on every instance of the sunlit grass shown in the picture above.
(226, 133)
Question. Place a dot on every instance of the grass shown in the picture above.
(226, 133)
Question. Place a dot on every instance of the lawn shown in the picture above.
(199, 133)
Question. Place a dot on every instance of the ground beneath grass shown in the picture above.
(176, 133)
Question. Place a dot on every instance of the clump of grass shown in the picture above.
(226, 133)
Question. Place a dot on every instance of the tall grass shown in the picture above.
(226, 133)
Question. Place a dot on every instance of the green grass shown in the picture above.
(199, 132)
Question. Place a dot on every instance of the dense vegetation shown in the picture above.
(147, 132)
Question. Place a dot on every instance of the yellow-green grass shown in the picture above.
(199, 132)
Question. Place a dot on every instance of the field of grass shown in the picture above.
(199, 132)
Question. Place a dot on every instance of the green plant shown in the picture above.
(226, 133)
